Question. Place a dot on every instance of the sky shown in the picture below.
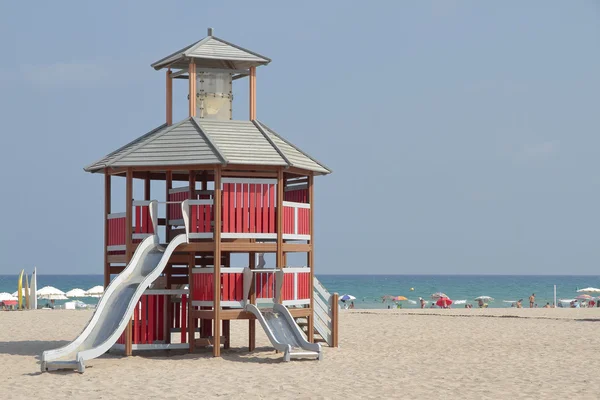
(463, 135)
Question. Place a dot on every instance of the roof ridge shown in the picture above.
(139, 139)
(272, 143)
(210, 141)
(241, 48)
(296, 148)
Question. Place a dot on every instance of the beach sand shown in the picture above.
(414, 354)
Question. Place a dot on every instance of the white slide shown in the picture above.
(115, 308)
(283, 332)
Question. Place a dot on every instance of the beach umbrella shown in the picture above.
(76, 293)
(443, 302)
(51, 293)
(412, 301)
(96, 291)
(438, 295)
(399, 298)
(589, 290)
(566, 300)
(7, 296)
(485, 298)
(584, 297)
(347, 297)
(457, 302)
(16, 293)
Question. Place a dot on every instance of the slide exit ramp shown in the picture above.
(283, 332)
(115, 308)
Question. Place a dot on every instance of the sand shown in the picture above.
(414, 354)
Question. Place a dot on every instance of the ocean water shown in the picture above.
(368, 289)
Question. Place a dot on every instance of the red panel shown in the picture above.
(226, 207)
(136, 327)
(160, 331)
(138, 219)
(183, 318)
(177, 315)
(152, 314)
(143, 320)
(259, 205)
(272, 209)
(239, 286)
(251, 201)
(265, 208)
(225, 283)
(238, 207)
(248, 227)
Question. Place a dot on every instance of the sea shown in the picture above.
(369, 289)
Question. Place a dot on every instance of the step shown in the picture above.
(58, 365)
(304, 354)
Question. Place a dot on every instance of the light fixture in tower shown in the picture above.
(214, 95)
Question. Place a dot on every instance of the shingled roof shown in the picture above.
(202, 141)
(213, 52)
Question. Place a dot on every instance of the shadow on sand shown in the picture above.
(30, 347)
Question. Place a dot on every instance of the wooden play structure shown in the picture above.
(231, 187)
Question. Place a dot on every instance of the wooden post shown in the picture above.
(147, 182)
(217, 265)
(252, 295)
(279, 210)
(107, 199)
(192, 86)
(191, 265)
(168, 186)
(128, 244)
(335, 317)
(252, 91)
(311, 258)
(169, 100)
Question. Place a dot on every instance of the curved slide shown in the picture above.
(283, 332)
(115, 308)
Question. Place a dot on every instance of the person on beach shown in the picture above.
(520, 303)
(547, 305)
(432, 305)
(352, 305)
(480, 303)
(422, 300)
(531, 300)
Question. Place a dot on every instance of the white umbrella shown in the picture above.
(16, 293)
(567, 300)
(460, 302)
(51, 293)
(589, 290)
(7, 296)
(485, 298)
(96, 291)
(439, 295)
(76, 293)
(347, 297)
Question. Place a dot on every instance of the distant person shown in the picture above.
(422, 300)
(352, 305)
(531, 300)
(520, 303)
(547, 305)
(560, 305)
(592, 303)
(480, 303)
(432, 305)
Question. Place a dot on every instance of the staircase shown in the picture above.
(326, 311)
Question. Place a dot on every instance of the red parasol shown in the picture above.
(443, 302)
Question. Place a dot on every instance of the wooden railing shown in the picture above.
(198, 218)
(116, 232)
(325, 313)
(265, 285)
(233, 291)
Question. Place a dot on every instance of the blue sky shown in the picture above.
(463, 135)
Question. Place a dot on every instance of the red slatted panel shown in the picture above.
(202, 218)
(160, 318)
(138, 219)
(259, 205)
(272, 205)
(143, 320)
(193, 219)
(183, 318)
(226, 207)
(136, 324)
(246, 215)
(251, 201)
(225, 286)
(239, 287)
(152, 311)
(265, 208)
(177, 312)
(238, 205)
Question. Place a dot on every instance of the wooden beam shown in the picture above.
(217, 266)
(311, 257)
(279, 257)
(128, 214)
(168, 186)
(236, 247)
(296, 247)
(147, 183)
(107, 199)
(169, 99)
(335, 319)
(249, 174)
(116, 258)
(192, 88)
(252, 298)
(252, 101)
(191, 319)
(226, 333)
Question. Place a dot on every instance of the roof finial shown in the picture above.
(210, 32)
